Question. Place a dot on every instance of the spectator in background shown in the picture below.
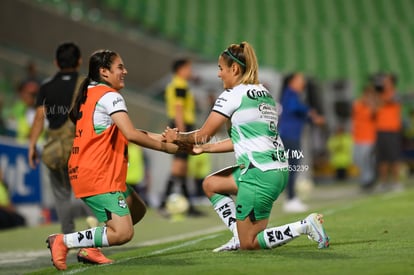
(199, 167)
(181, 112)
(340, 149)
(22, 112)
(54, 102)
(9, 217)
(137, 173)
(294, 115)
(364, 135)
(31, 72)
(389, 125)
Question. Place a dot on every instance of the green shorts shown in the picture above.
(257, 191)
(103, 205)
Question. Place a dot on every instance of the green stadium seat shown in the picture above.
(130, 10)
(115, 5)
(341, 38)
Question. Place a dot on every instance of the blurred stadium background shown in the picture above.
(336, 43)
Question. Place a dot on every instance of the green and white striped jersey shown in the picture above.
(254, 117)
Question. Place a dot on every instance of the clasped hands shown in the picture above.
(171, 135)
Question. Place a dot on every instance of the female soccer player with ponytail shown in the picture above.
(261, 172)
(98, 162)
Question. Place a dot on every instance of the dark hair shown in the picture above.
(99, 59)
(179, 63)
(68, 55)
(285, 83)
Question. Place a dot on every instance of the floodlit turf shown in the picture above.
(369, 235)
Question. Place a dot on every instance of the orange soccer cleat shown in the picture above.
(58, 250)
(92, 256)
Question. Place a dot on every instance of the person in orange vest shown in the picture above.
(98, 162)
(364, 135)
(389, 126)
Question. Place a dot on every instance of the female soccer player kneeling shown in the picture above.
(99, 159)
(261, 172)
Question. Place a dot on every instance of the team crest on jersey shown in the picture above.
(122, 202)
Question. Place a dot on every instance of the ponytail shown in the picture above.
(99, 59)
(244, 56)
(75, 113)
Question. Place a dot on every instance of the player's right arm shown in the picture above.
(139, 137)
(224, 107)
(35, 132)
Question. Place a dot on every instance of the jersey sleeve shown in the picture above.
(227, 103)
(113, 102)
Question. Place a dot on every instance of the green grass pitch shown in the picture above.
(369, 235)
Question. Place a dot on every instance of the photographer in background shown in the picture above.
(388, 125)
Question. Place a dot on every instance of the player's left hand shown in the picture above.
(197, 150)
(170, 135)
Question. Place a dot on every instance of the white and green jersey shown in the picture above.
(254, 117)
(110, 103)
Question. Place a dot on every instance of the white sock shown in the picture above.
(92, 237)
(225, 208)
(301, 227)
(277, 236)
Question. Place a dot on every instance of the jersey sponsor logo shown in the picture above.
(256, 94)
(116, 101)
(268, 112)
(219, 101)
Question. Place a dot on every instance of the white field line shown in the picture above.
(181, 236)
(21, 256)
(189, 243)
(156, 252)
(339, 209)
